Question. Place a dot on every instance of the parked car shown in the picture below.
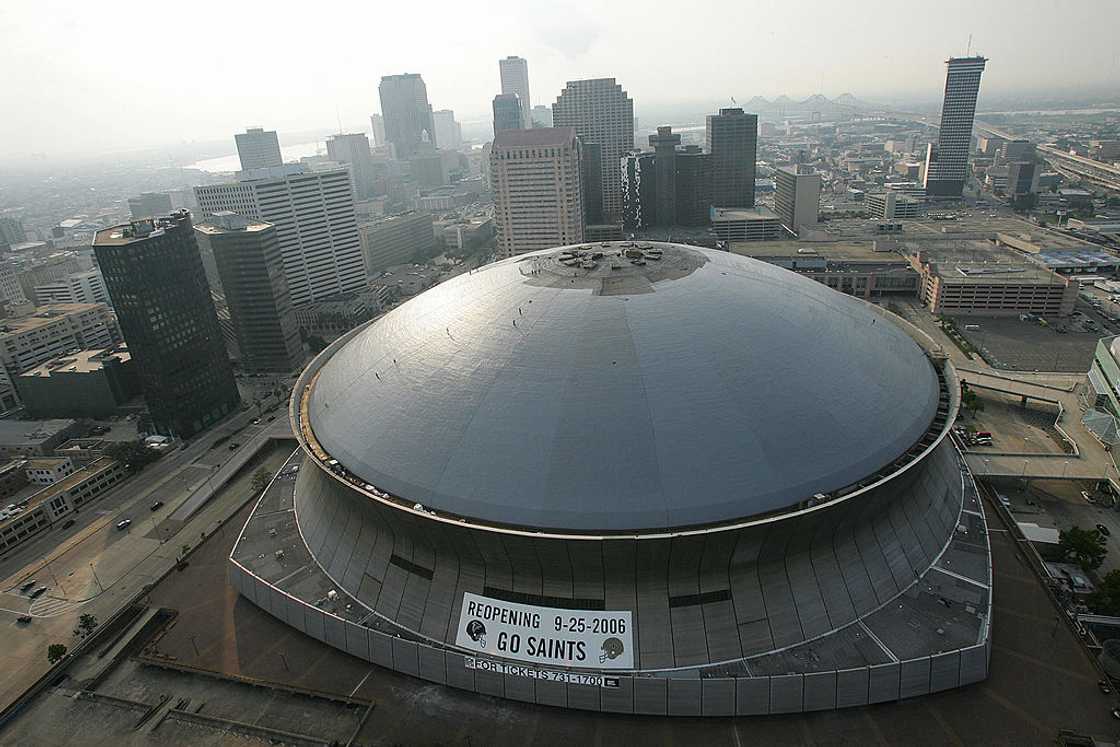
(68, 523)
(1104, 530)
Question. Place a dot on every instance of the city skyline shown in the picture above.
(337, 79)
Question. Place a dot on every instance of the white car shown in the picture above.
(123, 524)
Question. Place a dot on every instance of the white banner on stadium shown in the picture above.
(548, 636)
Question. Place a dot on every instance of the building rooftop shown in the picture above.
(568, 391)
(44, 315)
(721, 215)
(836, 251)
(534, 137)
(19, 432)
(42, 494)
(84, 361)
(981, 262)
(226, 221)
(138, 230)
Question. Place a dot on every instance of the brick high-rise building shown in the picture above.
(535, 175)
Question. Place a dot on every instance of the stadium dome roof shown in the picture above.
(567, 391)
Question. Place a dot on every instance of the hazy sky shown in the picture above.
(124, 74)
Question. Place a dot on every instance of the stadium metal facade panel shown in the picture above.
(642, 478)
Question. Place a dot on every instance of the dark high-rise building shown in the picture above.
(507, 112)
(154, 273)
(591, 182)
(947, 160)
(603, 115)
(407, 113)
(731, 138)
(664, 145)
(250, 266)
(353, 149)
(694, 186)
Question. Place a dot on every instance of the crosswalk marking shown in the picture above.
(49, 607)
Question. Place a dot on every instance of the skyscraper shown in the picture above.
(377, 125)
(154, 274)
(407, 113)
(507, 113)
(797, 196)
(536, 182)
(250, 266)
(315, 222)
(258, 149)
(449, 134)
(664, 145)
(947, 160)
(514, 72)
(731, 137)
(602, 114)
(353, 149)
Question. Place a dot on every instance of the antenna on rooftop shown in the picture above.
(733, 101)
(969, 50)
(339, 118)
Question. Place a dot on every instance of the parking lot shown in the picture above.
(1016, 429)
(1011, 344)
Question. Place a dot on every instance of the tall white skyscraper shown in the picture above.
(515, 79)
(603, 116)
(315, 223)
(258, 149)
(947, 160)
(535, 175)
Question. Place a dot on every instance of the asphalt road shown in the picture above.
(96, 568)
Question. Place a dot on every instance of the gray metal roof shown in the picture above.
(701, 387)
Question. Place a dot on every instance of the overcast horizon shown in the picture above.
(92, 78)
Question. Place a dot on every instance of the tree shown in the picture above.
(1086, 547)
(1106, 599)
(261, 479)
(86, 625)
(135, 454)
(55, 652)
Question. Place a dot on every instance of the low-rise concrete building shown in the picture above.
(745, 224)
(396, 239)
(867, 269)
(31, 438)
(86, 384)
(37, 512)
(975, 278)
(892, 205)
(48, 470)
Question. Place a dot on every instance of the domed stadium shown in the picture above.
(637, 477)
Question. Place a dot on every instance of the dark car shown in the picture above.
(271, 418)
(68, 523)
(157, 505)
(1104, 530)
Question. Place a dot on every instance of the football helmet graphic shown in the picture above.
(612, 649)
(477, 631)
